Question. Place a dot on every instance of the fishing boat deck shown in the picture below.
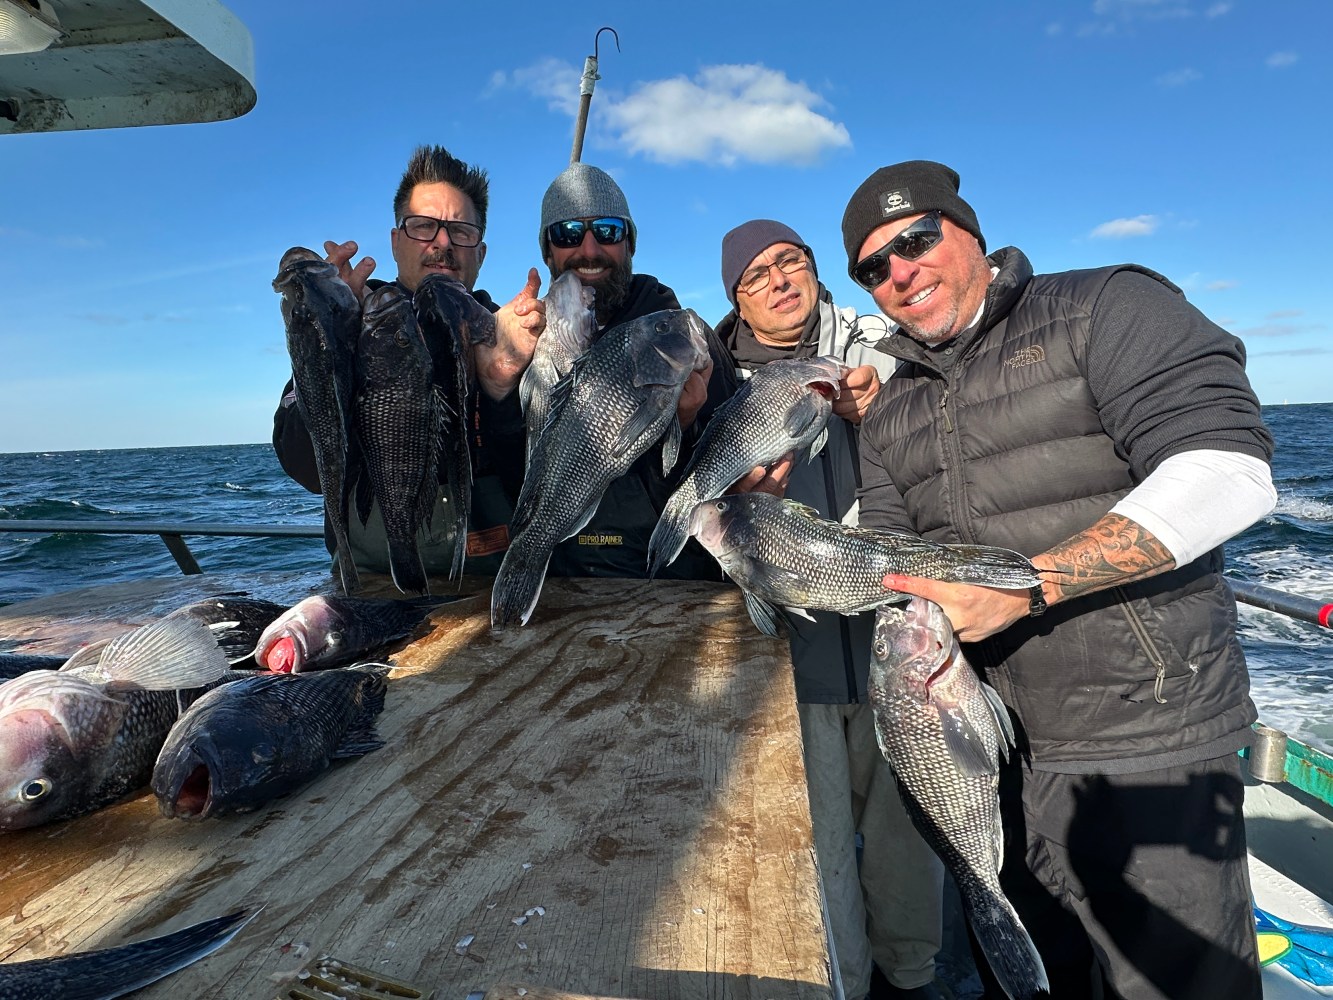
(610, 801)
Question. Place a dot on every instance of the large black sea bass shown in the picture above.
(943, 732)
(783, 553)
(617, 401)
(323, 319)
(251, 741)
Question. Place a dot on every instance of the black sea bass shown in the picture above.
(943, 732)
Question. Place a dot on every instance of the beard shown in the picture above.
(612, 291)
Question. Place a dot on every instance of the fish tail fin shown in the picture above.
(518, 584)
(993, 567)
(670, 534)
(406, 568)
(1007, 946)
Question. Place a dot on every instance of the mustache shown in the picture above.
(443, 256)
(590, 260)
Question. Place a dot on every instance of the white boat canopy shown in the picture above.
(115, 63)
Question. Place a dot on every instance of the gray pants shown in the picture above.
(888, 911)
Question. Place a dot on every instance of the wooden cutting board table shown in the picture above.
(609, 801)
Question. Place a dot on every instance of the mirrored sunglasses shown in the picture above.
(569, 234)
(912, 243)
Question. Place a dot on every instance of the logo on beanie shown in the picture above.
(894, 202)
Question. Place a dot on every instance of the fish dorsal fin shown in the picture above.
(175, 652)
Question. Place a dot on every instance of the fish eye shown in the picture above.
(400, 338)
(662, 326)
(35, 789)
(881, 649)
(335, 639)
(720, 505)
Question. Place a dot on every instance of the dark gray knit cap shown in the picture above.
(747, 241)
(909, 188)
(582, 191)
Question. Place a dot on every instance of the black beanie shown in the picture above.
(909, 188)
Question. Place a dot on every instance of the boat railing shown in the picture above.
(172, 533)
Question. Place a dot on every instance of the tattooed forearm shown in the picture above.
(1113, 551)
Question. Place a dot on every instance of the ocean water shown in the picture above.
(1291, 663)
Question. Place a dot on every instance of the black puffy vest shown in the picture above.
(1007, 449)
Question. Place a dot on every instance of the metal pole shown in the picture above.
(1293, 606)
(586, 85)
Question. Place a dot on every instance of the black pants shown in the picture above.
(1132, 886)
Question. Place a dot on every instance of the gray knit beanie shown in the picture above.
(909, 188)
(747, 241)
(584, 192)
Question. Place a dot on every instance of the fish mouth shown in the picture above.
(286, 653)
(194, 797)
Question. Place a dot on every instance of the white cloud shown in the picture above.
(1147, 10)
(1178, 78)
(1140, 225)
(1221, 285)
(1217, 10)
(1285, 314)
(724, 114)
(552, 80)
(1281, 60)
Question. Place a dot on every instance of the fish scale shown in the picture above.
(943, 733)
(777, 411)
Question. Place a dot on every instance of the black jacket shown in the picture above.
(1024, 431)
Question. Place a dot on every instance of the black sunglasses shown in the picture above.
(912, 243)
(424, 229)
(569, 234)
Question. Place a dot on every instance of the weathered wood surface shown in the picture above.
(630, 762)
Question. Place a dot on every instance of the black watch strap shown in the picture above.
(1036, 602)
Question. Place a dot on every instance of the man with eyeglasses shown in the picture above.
(885, 913)
(1097, 422)
(440, 220)
(586, 227)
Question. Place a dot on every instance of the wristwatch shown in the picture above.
(1036, 602)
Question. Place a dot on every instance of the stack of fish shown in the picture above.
(162, 702)
(385, 393)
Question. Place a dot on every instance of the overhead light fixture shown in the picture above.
(26, 26)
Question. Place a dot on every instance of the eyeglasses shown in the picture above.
(756, 279)
(569, 234)
(424, 229)
(912, 243)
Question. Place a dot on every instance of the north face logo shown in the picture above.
(1027, 356)
(894, 202)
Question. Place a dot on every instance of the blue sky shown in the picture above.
(1188, 135)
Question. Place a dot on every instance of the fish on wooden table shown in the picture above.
(783, 553)
(323, 320)
(236, 621)
(571, 322)
(452, 322)
(244, 744)
(76, 739)
(113, 972)
(782, 408)
(618, 400)
(322, 632)
(400, 415)
(943, 732)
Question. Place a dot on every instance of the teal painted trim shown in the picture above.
(1308, 769)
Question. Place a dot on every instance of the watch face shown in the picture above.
(1036, 601)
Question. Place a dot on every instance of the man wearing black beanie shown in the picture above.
(1086, 419)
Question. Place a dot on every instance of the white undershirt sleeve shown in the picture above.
(1196, 500)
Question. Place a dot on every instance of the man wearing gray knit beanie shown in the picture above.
(1084, 419)
(586, 227)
